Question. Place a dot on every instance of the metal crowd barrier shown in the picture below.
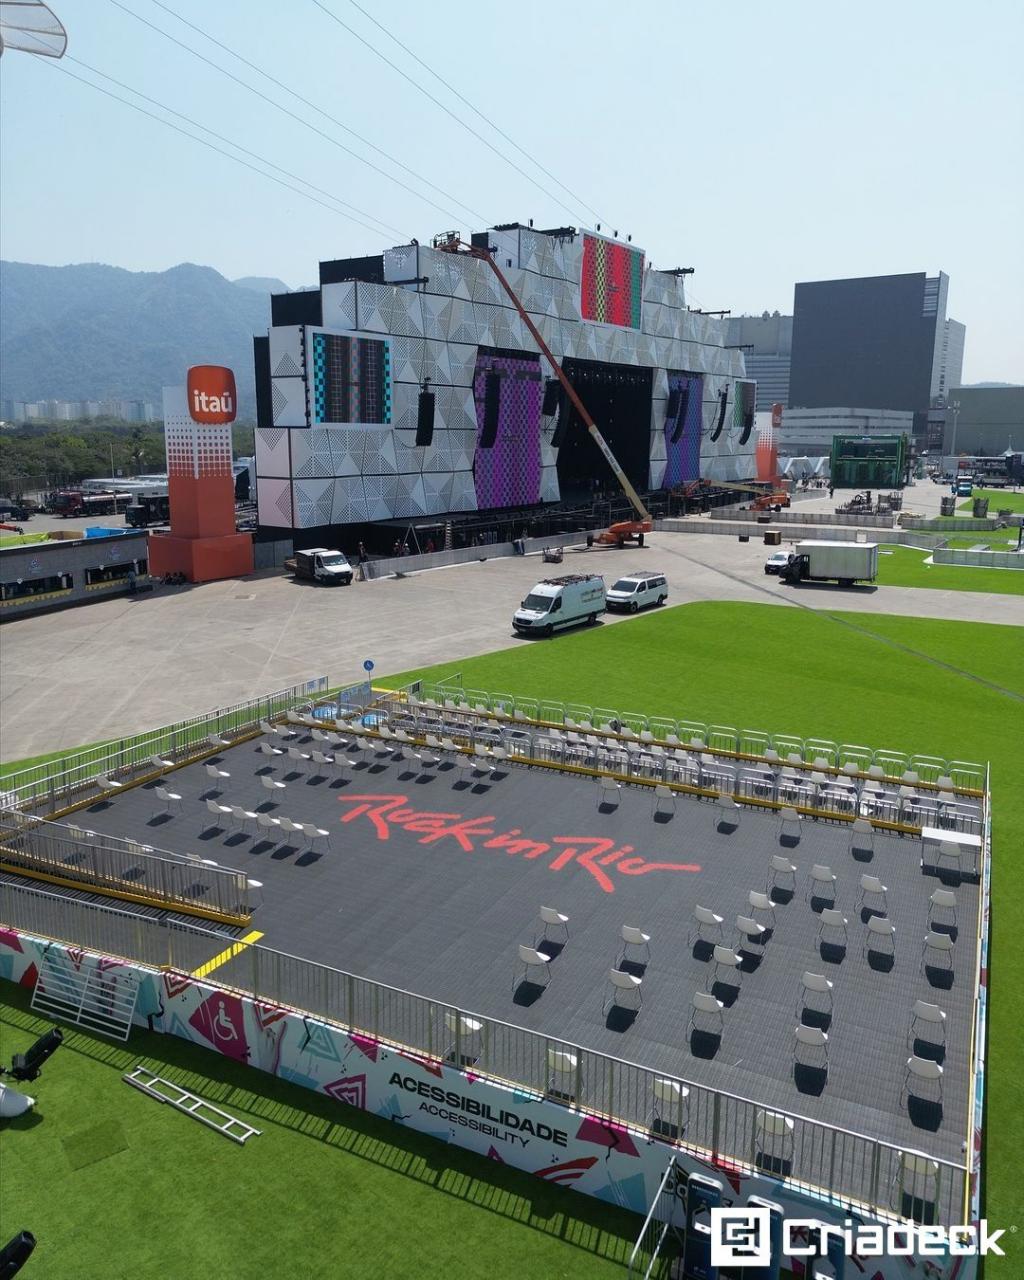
(713, 766)
(56, 784)
(854, 1171)
(97, 862)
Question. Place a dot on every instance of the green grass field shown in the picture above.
(998, 500)
(954, 689)
(116, 1186)
(906, 567)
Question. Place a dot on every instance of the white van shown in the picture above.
(560, 602)
(637, 591)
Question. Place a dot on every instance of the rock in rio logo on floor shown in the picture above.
(595, 854)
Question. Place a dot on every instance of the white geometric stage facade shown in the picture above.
(336, 440)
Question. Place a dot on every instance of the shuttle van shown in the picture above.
(560, 602)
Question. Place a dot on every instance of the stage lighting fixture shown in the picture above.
(27, 1066)
(16, 1253)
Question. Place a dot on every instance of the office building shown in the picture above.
(878, 342)
(984, 421)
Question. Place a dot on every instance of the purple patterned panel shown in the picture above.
(508, 474)
(684, 454)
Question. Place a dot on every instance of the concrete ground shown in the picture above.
(127, 664)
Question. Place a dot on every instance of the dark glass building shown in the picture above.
(877, 342)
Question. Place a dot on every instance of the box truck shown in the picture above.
(842, 562)
(318, 564)
(561, 602)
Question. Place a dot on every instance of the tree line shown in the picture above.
(50, 455)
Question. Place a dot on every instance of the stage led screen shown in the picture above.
(611, 286)
(508, 474)
(683, 428)
(351, 379)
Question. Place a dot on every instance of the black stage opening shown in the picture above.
(618, 398)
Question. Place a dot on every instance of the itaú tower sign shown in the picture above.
(202, 543)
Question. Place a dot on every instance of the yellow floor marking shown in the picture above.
(225, 956)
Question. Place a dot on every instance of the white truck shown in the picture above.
(561, 602)
(842, 562)
(318, 564)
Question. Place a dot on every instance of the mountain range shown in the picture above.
(94, 332)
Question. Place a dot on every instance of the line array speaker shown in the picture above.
(684, 404)
(492, 410)
(425, 419)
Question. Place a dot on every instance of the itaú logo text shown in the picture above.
(211, 394)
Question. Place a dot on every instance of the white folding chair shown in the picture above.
(316, 833)
(880, 932)
(562, 1077)
(219, 811)
(608, 791)
(789, 823)
(872, 888)
(670, 1112)
(158, 762)
(298, 756)
(821, 883)
(171, 799)
(290, 826)
(213, 772)
(465, 1030)
(749, 932)
(705, 918)
(810, 1038)
(706, 1005)
(727, 962)
(772, 1140)
(862, 836)
(816, 988)
(949, 854)
(941, 902)
(536, 967)
(215, 740)
(551, 919)
(320, 758)
(267, 727)
(269, 824)
(830, 921)
(106, 783)
(663, 798)
(921, 1078)
(761, 902)
(635, 938)
(623, 987)
(271, 784)
(915, 1189)
(940, 945)
(728, 809)
(933, 1021)
(780, 869)
(242, 815)
(267, 749)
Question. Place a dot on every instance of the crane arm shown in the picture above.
(454, 245)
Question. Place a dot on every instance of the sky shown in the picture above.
(762, 144)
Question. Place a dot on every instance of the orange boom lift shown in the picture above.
(626, 530)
